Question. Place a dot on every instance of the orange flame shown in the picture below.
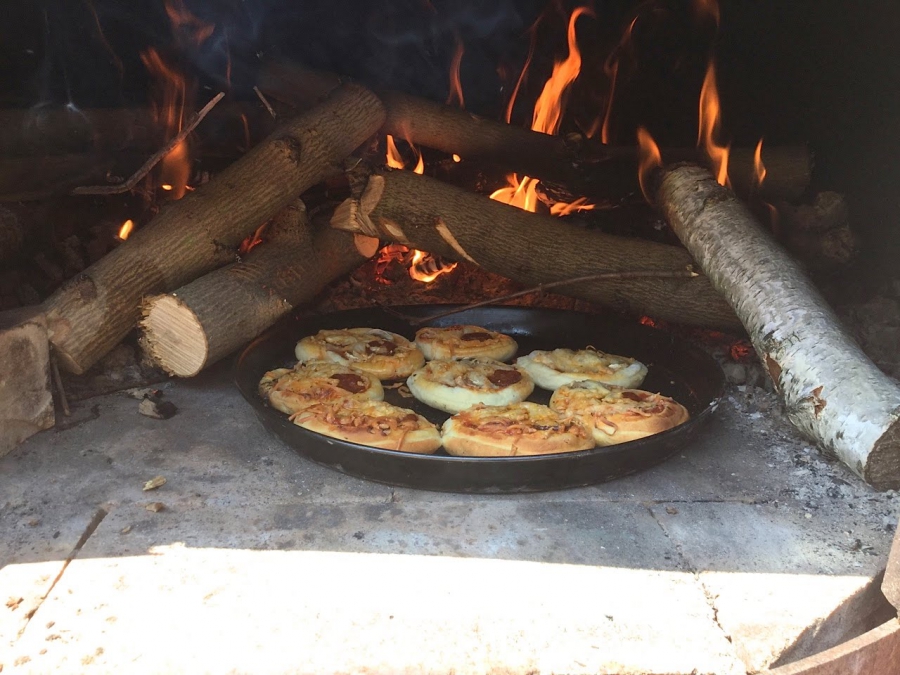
(169, 111)
(758, 165)
(126, 229)
(393, 159)
(186, 25)
(456, 93)
(426, 268)
(550, 104)
(564, 209)
(710, 119)
(421, 266)
(253, 240)
(707, 8)
(546, 119)
(650, 159)
(611, 68)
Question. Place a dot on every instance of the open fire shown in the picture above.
(227, 234)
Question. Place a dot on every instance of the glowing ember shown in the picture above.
(650, 159)
(741, 351)
(126, 229)
(710, 119)
(647, 321)
(546, 119)
(456, 93)
(758, 165)
(253, 240)
(456, 158)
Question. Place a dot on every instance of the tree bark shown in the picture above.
(581, 163)
(532, 249)
(192, 328)
(832, 392)
(190, 237)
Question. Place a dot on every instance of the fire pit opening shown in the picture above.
(154, 157)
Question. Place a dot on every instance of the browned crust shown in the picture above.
(425, 386)
(419, 437)
(447, 342)
(401, 364)
(461, 438)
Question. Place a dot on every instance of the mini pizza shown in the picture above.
(385, 355)
(373, 423)
(455, 385)
(292, 390)
(460, 342)
(617, 415)
(513, 430)
(554, 369)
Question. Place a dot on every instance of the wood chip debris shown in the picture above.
(153, 483)
(155, 507)
(125, 530)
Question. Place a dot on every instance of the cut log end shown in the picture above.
(175, 337)
(883, 466)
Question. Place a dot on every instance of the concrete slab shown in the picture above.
(180, 609)
(261, 560)
(774, 576)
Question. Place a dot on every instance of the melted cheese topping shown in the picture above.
(518, 419)
(609, 407)
(586, 361)
(448, 341)
(290, 390)
(476, 374)
(375, 417)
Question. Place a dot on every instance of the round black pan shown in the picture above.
(676, 368)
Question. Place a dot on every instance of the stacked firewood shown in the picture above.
(197, 302)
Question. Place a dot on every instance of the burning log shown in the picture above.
(194, 235)
(209, 318)
(833, 393)
(579, 162)
(529, 248)
(108, 131)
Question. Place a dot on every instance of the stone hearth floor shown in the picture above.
(747, 549)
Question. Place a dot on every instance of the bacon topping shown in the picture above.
(350, 382)
(505, 378)
(475, 337)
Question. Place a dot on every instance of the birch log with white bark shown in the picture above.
(832, 392)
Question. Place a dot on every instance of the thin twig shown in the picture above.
(265, 102)
(154, 160)
(57, 380)
(599, 276)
